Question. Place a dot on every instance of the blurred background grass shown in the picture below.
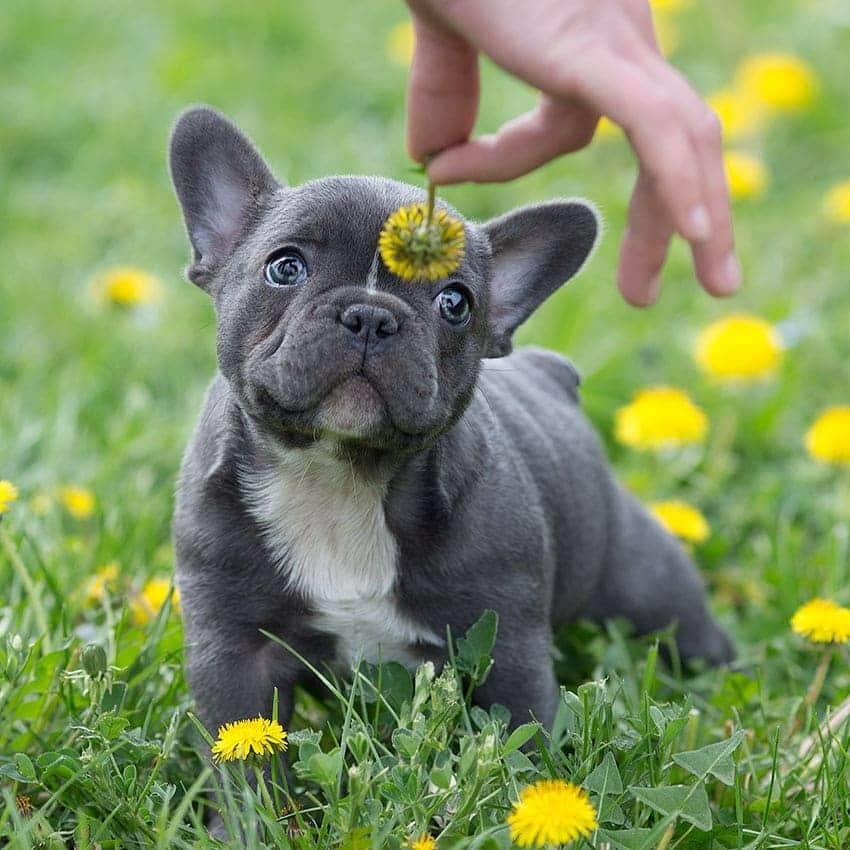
(106, 397)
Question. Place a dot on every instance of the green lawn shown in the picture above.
(104, 398)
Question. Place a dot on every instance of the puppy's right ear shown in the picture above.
(221, 182)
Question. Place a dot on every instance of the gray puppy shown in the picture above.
(365, 473)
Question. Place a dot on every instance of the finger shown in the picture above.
(442, 91)
(648, 114)
(645, 243)
(519, 146)
(715, 261)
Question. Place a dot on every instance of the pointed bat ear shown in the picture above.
(221, 182)
(536, 249)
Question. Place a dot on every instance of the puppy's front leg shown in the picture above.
(522, 677)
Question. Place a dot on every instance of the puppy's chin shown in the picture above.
(353, 409)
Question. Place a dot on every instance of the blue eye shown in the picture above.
(287, 269)
(453, 304)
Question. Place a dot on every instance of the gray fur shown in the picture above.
(347, 488)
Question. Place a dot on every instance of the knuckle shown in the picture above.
(709, 130)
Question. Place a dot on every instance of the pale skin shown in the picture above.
(587, 58)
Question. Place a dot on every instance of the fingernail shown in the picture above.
(730, 275)
(700, 222)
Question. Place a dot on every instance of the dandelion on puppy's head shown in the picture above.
(551, 811)
(254, 737)
(822, 621)
(416, 248)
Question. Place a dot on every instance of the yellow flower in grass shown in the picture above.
(78, 501)
(828, 439)
(822, 621)
(103, 581)
(739, 348)
(127, 287)
(781, 81)
(424, 842)
(836, 203)
(747, 175)
(682, 520)
(669, 6)
(413, 248)
(740, 114)
(147, 604)
(8, 494)
(660, 418)
(400, 44)
(551, 812)
(246, 738)
(607, 129)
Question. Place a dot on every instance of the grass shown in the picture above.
(105, 398)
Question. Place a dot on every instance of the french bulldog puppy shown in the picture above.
(372, 463)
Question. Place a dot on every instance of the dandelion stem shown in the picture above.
(26, 580)
(820, 676)
(432, 195)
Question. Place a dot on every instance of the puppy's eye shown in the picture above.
(453, 304)
(287, 269)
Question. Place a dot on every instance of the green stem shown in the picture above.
(432, 195)
(26, 580)
(819, 678)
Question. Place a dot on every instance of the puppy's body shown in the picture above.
(359, 481)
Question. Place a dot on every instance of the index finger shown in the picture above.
(442, 91)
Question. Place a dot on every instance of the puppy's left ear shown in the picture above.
(536, 249)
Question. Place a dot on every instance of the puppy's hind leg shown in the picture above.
(649, 579)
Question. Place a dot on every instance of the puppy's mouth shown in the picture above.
(353, 408)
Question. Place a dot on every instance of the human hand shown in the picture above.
(587, 58)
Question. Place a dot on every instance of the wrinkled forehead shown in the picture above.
(348, 213)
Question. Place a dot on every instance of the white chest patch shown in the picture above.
(325, 528)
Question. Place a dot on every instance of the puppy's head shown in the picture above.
(315, 335)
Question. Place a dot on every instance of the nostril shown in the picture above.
(365, 320)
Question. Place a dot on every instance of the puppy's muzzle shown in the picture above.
(369, 321)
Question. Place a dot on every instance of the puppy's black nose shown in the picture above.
(367, 320)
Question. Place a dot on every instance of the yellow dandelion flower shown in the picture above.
(103, 581)
(147, 603)
(414, 249)
(740, 114)
(551, 812)
(747, 175)
(424, 842)
(682, 520)
(400, 44)
(246, 738)
(739, 348)
(659, 418)
(780, 81)
(127, 287)
(822, 621)
(78, 501)
(836, 203)
(828, 439)
(8, 494)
